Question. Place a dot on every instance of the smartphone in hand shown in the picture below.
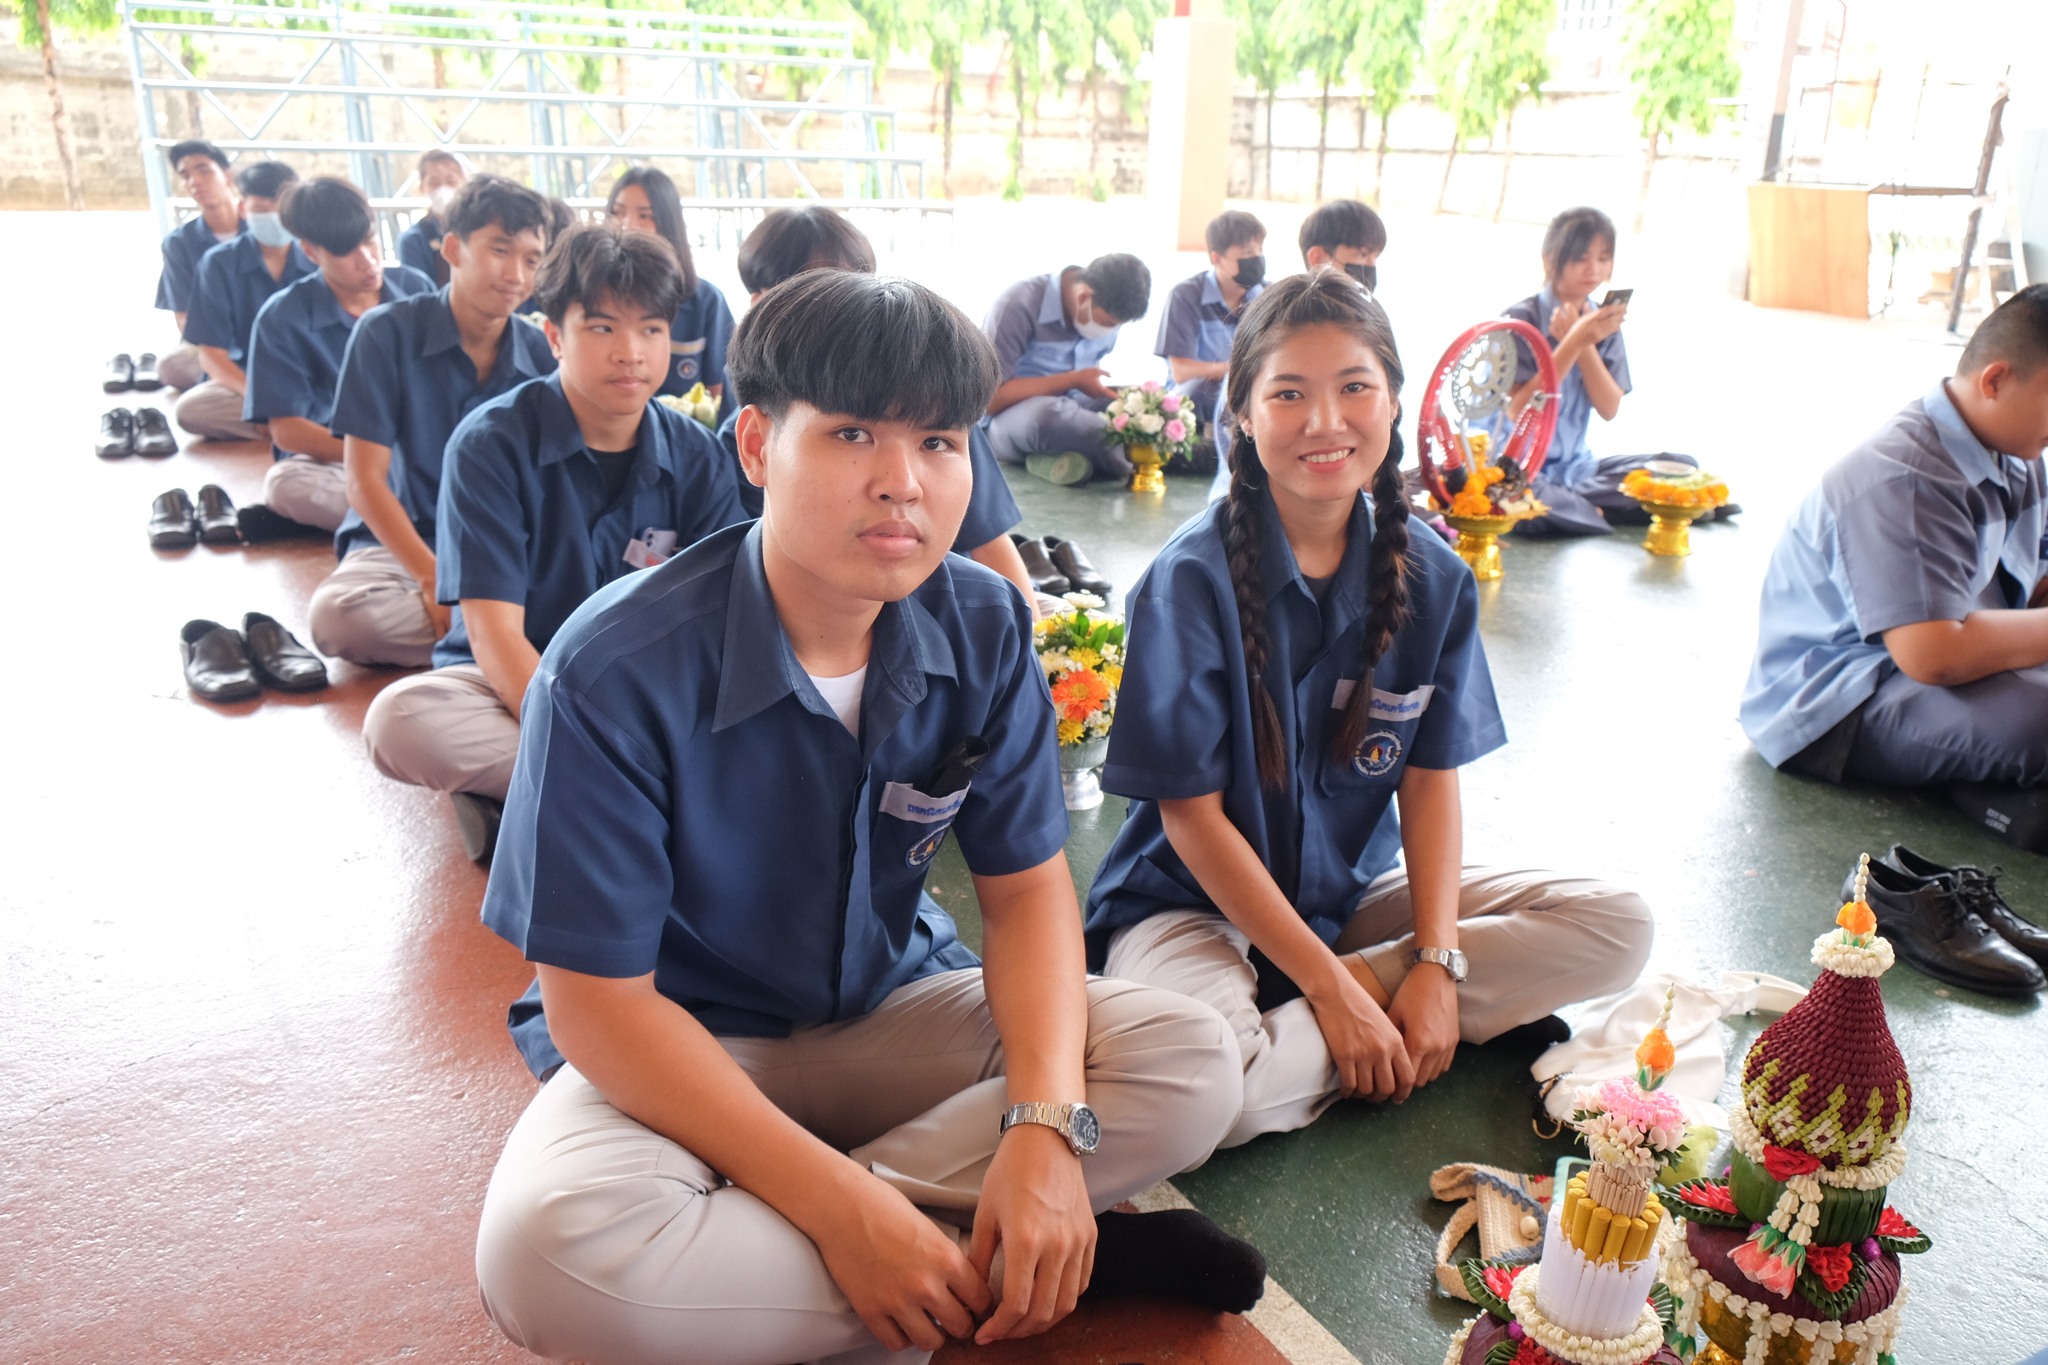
(1617, 298)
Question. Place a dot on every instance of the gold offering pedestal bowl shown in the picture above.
(1479, 541)
(1670, 530)
(1148, 469)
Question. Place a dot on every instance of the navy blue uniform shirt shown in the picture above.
(183, 246)
(686, 803)
(696, 341)
(406, 383)
(1197, 325)
(524, 515)
(991, 509)
(1183, 717)
(419, 246)
(232, 288)
(300, 336)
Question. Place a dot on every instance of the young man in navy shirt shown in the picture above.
(413, 370)
(796, 1120)
(1051, 334)
(235, 280)
(419, 246)
(296, 347)
(1202, 311)
(548, 493)
(202, 169)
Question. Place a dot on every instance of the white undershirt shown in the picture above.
(843, 696)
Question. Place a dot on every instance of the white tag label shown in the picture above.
(650, 547)
(906, 802)
(1386, 705)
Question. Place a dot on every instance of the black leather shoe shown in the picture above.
(1933, 928)
(217, 666)
(117, 434)
(120, 374)
(259, 523)
(217, 525)
(153, 434)
(1039, 568)
(146, 379)
(281, 662)
(1979, 890)
(1071, 560)
(173, 523)
(478, 818)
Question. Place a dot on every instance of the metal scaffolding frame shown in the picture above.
(732, 153)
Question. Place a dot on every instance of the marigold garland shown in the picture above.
(1693, 490)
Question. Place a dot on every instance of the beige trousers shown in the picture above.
(181, 369)
(309, 491)
(605, 1242)
(213, 412)
(446, 730)
(369, 611)
(1534, 942)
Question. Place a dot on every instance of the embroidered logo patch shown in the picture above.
(925, 849)
(1377, 756)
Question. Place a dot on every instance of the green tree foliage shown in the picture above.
(1389, 51)
(946, 27)
(1119, 33)
(1680, 57)
(1266, 57)
(1324, 37)
(1048, 39)
(1488, 58)
(40, 22)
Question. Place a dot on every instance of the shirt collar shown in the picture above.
(296, 262)
(327, 310)
(442, 334)
(759, 668)
(1212, 289)
(1277, 567)
(1977, 461)
(562, 439)
(1052, 311)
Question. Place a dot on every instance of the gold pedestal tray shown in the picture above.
(1727, 1340)
(1147, 475)
(1479, 542)
(1670, 530)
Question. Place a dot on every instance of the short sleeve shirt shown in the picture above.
(686, 803)
(419, 246)
(183, 247)
(525, 514)
(1570, 459)
(296, 347)
(406, 383)
(1197, 325)
(1028, 327)
(697, 340)
(232, 287)
(1184, 728)
(1922, 522)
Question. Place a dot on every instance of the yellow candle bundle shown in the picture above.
(1601, 1236)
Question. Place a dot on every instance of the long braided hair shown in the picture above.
(1326, 297)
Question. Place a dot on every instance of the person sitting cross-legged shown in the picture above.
(202, 172)
(234, 281)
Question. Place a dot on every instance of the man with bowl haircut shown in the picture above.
(796, 1120)
(548, 493)
(413, 370)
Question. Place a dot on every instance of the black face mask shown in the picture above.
(1250, 271)
(1367, 275)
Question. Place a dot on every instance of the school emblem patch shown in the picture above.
(1377, 756)
(925, 849)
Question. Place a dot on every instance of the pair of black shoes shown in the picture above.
(225, 664)
(135, 431)
(1057, 567)
(176, 524)
(1951, 923)
(125, 372)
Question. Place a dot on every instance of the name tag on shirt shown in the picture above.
(906, 802)
(1386, 705)
(650, 547)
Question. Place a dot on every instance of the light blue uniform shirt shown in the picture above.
(1028, 327)
(1570, 460)
(1920, 523)
(1197, 324)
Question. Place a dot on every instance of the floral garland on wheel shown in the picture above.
(1082, 652)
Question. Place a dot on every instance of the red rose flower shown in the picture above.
(1830, 1265)
(1784, 1164)
(1891, 1224)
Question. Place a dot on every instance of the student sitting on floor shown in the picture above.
(645, 200)
(1298, 667)
(1203, 310)
(296, 347)
(1901, 637)
(548, 493)
(235, 280)
(413, 370)
(796, 1119)
(788, 242)
(1050, 334)
(419, 246)
(202, 170)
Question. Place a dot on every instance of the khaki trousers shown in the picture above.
(181, 369)
(309, 491)
(446, 730)
(213, 412)
(1534, 942)
(369, 611)
(605, 1242)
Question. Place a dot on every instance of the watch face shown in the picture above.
(1086, 1131)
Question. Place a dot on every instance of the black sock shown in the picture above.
(1536, 1035)
(1175, 1254)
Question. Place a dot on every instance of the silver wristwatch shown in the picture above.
(1074, 1122)
(1450, 959)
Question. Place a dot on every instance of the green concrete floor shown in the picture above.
(1742, 865)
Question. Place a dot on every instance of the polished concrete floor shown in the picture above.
(257, 1073)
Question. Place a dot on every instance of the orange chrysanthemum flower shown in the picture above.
(1080, 693)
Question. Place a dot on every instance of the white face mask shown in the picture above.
(269, 229)
(440, 198)
(1091, 329)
